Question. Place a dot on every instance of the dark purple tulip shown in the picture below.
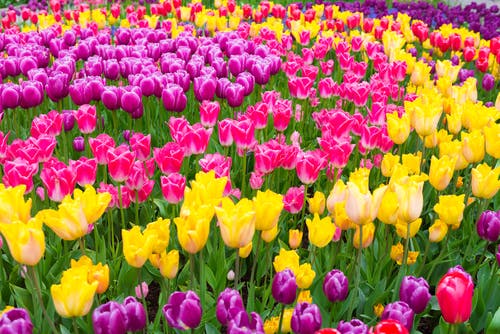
(68, 120)
(355, 326)
(79, 144)
(204, 88)
(11, 96)
(147, 85)
(235, 93)
(57, 86)
(111, 69)
(488, 225)
(306, 318)
(240, 323)
(488, 82)
(228, 300)
(131, 100)
(335, 286)
(173, 98)
(16, 320)
(220, 66)
(399, 311)
(183, 310)
(109, 318)
(415, 292)
(136, 315)
(455, 60)
(284, 287)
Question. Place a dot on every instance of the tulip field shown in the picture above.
(230, 167)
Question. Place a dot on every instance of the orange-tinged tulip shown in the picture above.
(437, 231)
(159, 231)
(270, 235)
(402, 228)
(397, 254)
(492, 139)
(74, 296)
(236, 222)
(337, 194)
(450, 209)
(340, 217)
(368, 234)
(410, 198)
(305, 276)
(304, 296)
(286, 260)
(389, 161)
(96, 273)
(398, 129)
(245, 251)
(454, 122)
(317, 203)
(13, 207)
(485, 182)
(268, 207)
(321, 231)
(420, 74)
(362, 208)
(388, 210)
(473, 146)
(294, 238)
(26, 241)
(425, 113)
(441, 171)
(169, 264)
(137, 247)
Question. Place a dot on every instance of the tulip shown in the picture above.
(58, 179)
(204, 88)
(193, 230)
(85, 169)
(441, 171)
(95, 273)
(240, 322)
(425, 114)
(141, 145)
(26, 240)
(209, 112)
(398, 128)
(235, 94)
(306, 318)
(236, 222)
(100, 147)
(16, 320)
(388, 210)
(390, 326)
(335, 286)
(321, 231)
(136, 314)
(354, 326)
(19, 172)
(130, 100)
(410, 199)
(13, 207)
(309, 164)
(137, 247)
(183, 310)
(437, 231)
(454, 294)
(243, 133)
(294, 238)
(305, 276)
(473, 146)
(109, 318)
(488, 82)
(485, 182)
(228, 302)
(93, 204)
(174, 99)
(415, 292)
(488, 225)
(497, 255)
(368, 235)
(120, 162)
(284, 288)
(317, 203)
(450, 209)
(294, 199)
(172, 187)
(169, 158)
(159, 231)
(268, 206)
(399, 311)
(362, 208)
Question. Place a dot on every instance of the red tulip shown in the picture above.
(120, 162)
(454, 294)
(389, 326)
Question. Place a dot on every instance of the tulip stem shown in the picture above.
(120, 204)
(358, 271)
(236, 269)
(75, 327)
(254, 264)
(405, 251)
(202, 279)
(244, 172)
(143, 297)
(81, 242)
(303, 214)
(136, 207)
(281, 318)
(32, 274)
(191, 266)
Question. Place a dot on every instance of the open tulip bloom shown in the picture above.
(222, 159)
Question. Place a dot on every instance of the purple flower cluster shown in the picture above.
(116, 318)
(231, 313)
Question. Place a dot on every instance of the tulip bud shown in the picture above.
(284, 287)
(336, 286)
(136, 315)
(488, 225)
(415, 292)
(306, 318)
(399, 311)
(183, 310)
(454, 294)
(229, 300)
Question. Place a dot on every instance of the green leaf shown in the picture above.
(494, 326)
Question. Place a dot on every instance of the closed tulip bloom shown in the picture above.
(438, 231)
(26, 240)
(399, 311)
(193, 230)
(136, 314)
(454, 150)
(441, 171)
(93, 203)
(362, 208)
(368, 235)
(169, 158)
(174, 99)
(137, 247)
(389, 161)
(425, 114)
(398, 128)
(271, 234)
(306, 318)
(268, 206)
(336, 286)
(204, 88)
(294, 199)
(120, 162)
(388, 210)
(415, 292)
(450, 209)
(309, 165)
(491, 135)
(228, 302)
(321, 231)
(305, 276)
(454, 294)
(390, 326)
(245, 251)
(294, 238)
(402, 228)
(411, 199)
(183, 310)
(488, 225)
(473, 147)
(86, 118)
(159, 231)
(355, 326)
(109, 318)
(284, 288)
(485, 182)
(172, 187)
(236, 222)
(235, 94)
(317, 203)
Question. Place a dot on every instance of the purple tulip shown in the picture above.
(240, 323)
(284, 287)
(261, 70)
(147, 85)
(183, 310)
(220, 91)
(111, 69)
(136, 315)
(220, 66)
(68, 120)
(16, 320)
(80, 92)
(111, 97)
(31, 94)
(204, 88)
(236, 64)
(228, 300)
(69, 38)
(79, 144)
(335, 286)
(306, 318)
(130, 99)
(110, 318)
(355, 326)
(27, 64)
(488, 225)
(488, 82)
(174, 98)
(498, 255)
(235, 93)
(415, 292)
(11, 95)
(57, 86)
(247, 81)
(399, 311)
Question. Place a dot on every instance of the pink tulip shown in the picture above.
(86, 118)
(169, 157)
(40, 192)
(85, 170)
(172, 187)
(338, 149)
(209, 112)
(112, 190)
(4, 139)
(140, 289)
(195, 139)
(120, 162)
(25, 150)
(258, 114)
(217, 162)
(294, 199)
(58, 179)
(291, 68)
(141, 195)
(137, 177)
(309, 164)
(288, 156)
(19, 171)
(225, 131)
(45, 145)
(282, 113)
(243, 132)
(141, 145)
(100, 147)
(310, 71)
(256, 181)
(178, 126)
(47, 124)
(300, 87)
(266, 157)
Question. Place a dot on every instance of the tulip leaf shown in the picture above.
(162, 206)
(209, 274)
(211, 329)
(22, 296)
(494, 326)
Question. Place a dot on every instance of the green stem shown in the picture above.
(203, 284)
(358, 271)
(33, 275)
(81, 242)
(136, 207)
(405, 250)
(120, 204)
(236, 269)
(244, 174)
(191, 266)
(257, 249)
(143, 297)
(281, 318)
(75, 326)
(303, 213)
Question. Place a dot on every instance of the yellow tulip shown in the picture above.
(270, 235)
(206, 189)
(398, 129)
(368, 234)
(304, 296)
(397, 254)
(96, 273)
(441, 171)
(193, 229)
(454, 150)
(388, 211)
(450, 209)
(360, 177)
(389, 161)
(437, 231)
(268, 207)
(492, 139)
(340, 217)
(236, 222)
(93, 204)
(305, 276)
(74, 296)
(420, 74)
(410, 198)
(321, 231)
(26, 241)
(294, 238)
(378, 309)
(159, 231)
(317, 203)
(337, 194)
(12, 204)
(286, 260)
(245, 251)
(402, 228)
(454, 122)
(362, 208)
(412, 162)
(425, 113)
(169, 264)
(137, 247)
(473, 146)
(485, 182)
